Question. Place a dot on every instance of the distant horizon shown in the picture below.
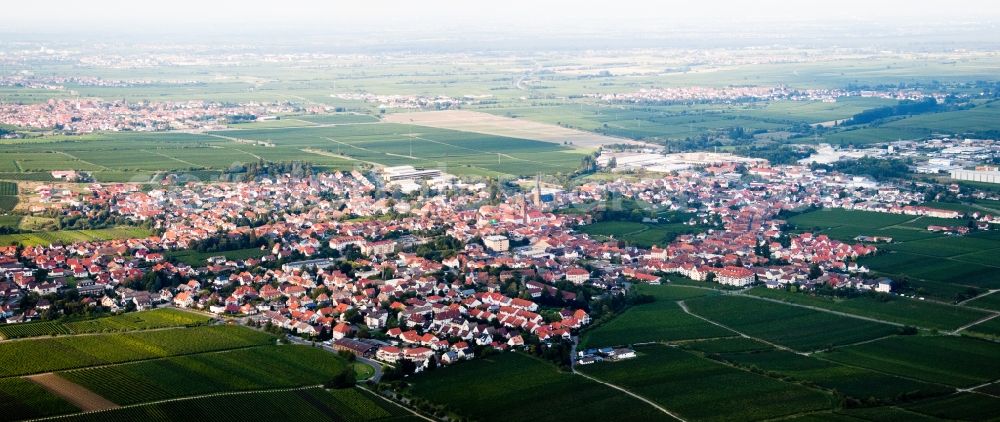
(397, 20)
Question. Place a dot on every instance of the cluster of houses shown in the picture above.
(92, 115)
(329, 266)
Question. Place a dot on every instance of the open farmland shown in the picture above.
(643, 235)
(477, 122)
(33, 329)
(30, 356)
(156, 318)
(990, 328)
(198, 259)
(513, 386)
(70, 236)
(835, 217)
(138, 156)
(662, 320)
(960, 406)
(896, 309)
(851, 381)
(701, 390)
(312, 404)
(987, 301)
(794, 327)
(23, 399)
(8, 196)
(238, 370)
(952, 360)
(393, 144)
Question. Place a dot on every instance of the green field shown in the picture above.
(794, 327)
(896, 309)
(197, 259)
(726, 345)
(960, 406)
(989, 301)
(256, 368)
(312, 404)
(137, 156)
(952, 360)
(8, 196)
(836, 217)
(643, 235)
(12, 221)
(32, 356)
(23, 399)
(513, 386)
(132, 321)
(72, 236)
(700, 389)
(851, 381)
(660, 321)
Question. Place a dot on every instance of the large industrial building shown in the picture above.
(984, 174)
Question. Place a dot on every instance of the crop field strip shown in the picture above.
(900, 310)
(134, 157)
(257, 368)
(135, 321)
(660, 321)
(705, 390)
(789, 326)
(513, 386)
(302, 403)
(23, 399)
(968, 361)
(46, 238)
(31, 356)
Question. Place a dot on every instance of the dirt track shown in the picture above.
(80, 397)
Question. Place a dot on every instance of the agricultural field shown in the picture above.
(12, 221)
(198, 259)
(33, 329)
(8, 196)
(71, 236)
(132, 321)
(960, 406)
(901, 310)
(477, 122)
(660, 321)
(312, 404)
(23, 399)
(392, 144)
(644, 235)
(851, 381)
(790, 326)
(256, 368)
(726, 345)
(513, 386)
(699, 389)
(952, 360)
(990, 328)
(988, 301)
(334, 119)
(30, 356)
(139, 156)
(836, 217)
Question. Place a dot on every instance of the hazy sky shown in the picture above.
(155, 16)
